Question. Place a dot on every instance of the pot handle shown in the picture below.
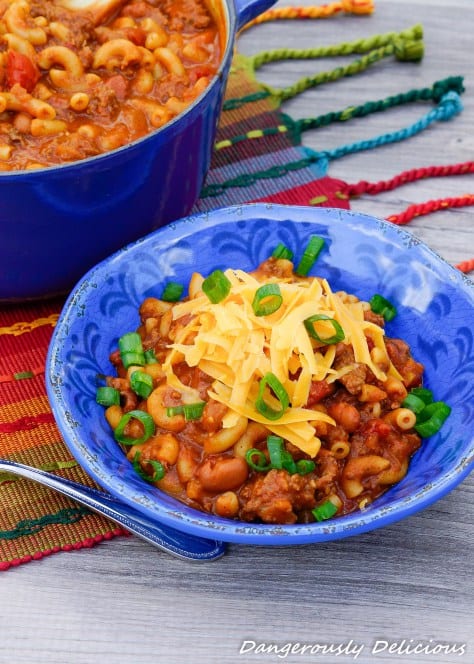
(247, 10)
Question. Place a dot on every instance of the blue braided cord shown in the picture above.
(449, 106)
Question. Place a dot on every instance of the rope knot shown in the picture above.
(450, 105)
(440, 88)
(358, 6)
(408, 49)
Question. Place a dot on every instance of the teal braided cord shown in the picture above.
(449, 106)
(435, 92)
(296, 127)
(33, 526)
(356, 67)
(359, 46)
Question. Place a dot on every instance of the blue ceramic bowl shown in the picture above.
(56, 223)
(363, 255)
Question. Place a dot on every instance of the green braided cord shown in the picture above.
(247, 179)
(295, 128)
(406, 45)
(449, 106)
(351, 69)
(255, 133)
(435, 92)
(232, 104)
(358, 46)
(33, 526)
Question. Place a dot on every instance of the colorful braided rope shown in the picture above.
(319, 11)
(419, 209)
(373, 188)
(428, 207)
(405, 46)
(296, 127)
(449, 106)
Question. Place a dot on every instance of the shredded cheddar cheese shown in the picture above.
(236, 347)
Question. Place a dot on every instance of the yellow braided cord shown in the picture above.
(24, 327)
(317, 11)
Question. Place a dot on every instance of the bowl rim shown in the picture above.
(199, 523)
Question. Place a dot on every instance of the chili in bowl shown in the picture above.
(328, 417)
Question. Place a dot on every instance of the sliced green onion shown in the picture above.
(171, 411)
(141, 383)
(275, 448)
(324, 511)
(261, 465)
(172, 291)
(432, 418)
(429, 410)
(132, 359)
(338, 331)
(413, 403)
(281, 251)
(131, 350)
(216, 286)
(144, 418)
(159, 471)
(423, 393)
(107, 396)
(310, 255)
(380, 305)
(280, 458)
(191, 411)
(131, 342)
(270, 380)
(150, 356)
(305, 466)
(267, 300)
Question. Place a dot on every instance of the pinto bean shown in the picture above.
(222, 473)
(345, 414)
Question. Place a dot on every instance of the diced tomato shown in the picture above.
(199, 72)
(21, 70)
(317, 391)
(135, 35)
(378, 427)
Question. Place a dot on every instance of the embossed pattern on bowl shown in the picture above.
(363, 255)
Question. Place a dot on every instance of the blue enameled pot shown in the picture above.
(56, 223)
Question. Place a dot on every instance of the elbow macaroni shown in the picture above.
(222, 460)
(71, 76)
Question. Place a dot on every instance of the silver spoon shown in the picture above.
(167, 539)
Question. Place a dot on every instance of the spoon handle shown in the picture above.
(180, 545)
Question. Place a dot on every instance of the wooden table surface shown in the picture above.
(408, 584)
